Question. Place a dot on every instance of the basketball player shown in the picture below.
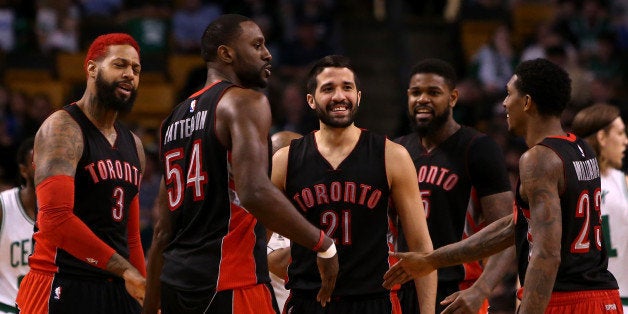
(88, 256)
(556, 225)
(464, 186)
(603, 128)
(340, 178)
(209, 249)
(17, 216)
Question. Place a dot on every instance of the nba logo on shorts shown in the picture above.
(57, 295)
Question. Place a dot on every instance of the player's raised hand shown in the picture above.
(410, 265)
(328, 268)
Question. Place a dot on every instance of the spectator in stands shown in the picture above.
(294, 114)
(606, 61)
(580, 77)
(57, 25)
(7, 24)
(295, 56)
(546, 37)
(495, 62)
(102, 8)
(188, 24)
(591, 21)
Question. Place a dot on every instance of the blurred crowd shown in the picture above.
(589, 38)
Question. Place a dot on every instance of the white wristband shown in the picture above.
(329, 253)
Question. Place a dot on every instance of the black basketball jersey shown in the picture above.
(584, 260)
(106, 181)
(452, 178)
(350, 204)
(216, 243)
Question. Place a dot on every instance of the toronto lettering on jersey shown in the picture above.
(347, 192)
(114, 170)
(587, 170)
(437, 176)
(184, 128)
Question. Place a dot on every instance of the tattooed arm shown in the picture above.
(57, 151)
(491, 239)
(541, 175)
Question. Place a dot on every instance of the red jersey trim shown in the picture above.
(569, 137)
(204, 89)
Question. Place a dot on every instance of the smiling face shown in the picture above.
(430, 102)
(613, 143)
(117, 78)
(252, 60)
(513, 105)
(336, 98)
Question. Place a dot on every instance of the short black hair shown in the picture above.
(221, 31)
(24, 149)
(438, 67)
(331, 61)
(22, 153)
(548, 85)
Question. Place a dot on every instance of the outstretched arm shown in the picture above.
(541, 174)
(488, 241)
(243, 124)
(407, 199)
(499, 269)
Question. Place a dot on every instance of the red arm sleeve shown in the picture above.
(60, 227)
(135, 243)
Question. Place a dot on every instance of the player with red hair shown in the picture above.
(87, 256)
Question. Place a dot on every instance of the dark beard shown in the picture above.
(106, 95)
(432, 127)
(327, 120)
(252, 78)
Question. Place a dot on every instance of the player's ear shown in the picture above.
(91, 68)
(453, 98)
(310, 101)
(225, 53)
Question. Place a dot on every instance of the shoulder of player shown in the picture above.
(396, 153)
(243, 96)
(60, 126)
(539, 162)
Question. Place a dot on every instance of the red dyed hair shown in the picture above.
(101, 44)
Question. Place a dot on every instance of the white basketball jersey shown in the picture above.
(615, 222)
(16, 231)
(277, 241)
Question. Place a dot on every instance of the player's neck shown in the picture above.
(433, 139)
(102, 117)
(543, 127)
(335, 144)
(217, 73)
(27, 197)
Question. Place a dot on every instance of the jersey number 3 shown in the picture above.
(196, 177)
